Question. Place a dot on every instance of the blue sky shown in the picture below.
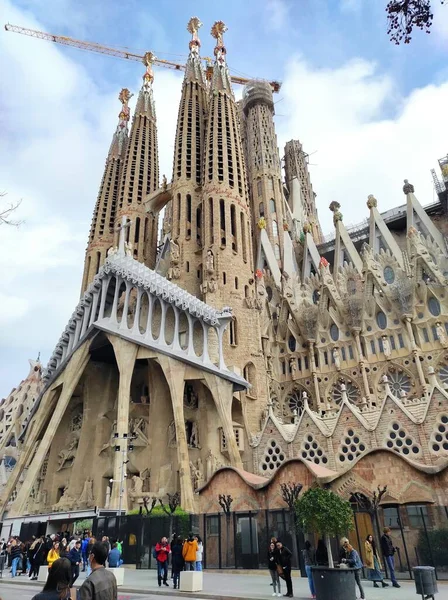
(370, 112)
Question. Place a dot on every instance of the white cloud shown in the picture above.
(338, 114)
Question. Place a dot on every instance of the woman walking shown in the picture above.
(37, 554)
(274, 569)
(53, 555)
(373, 562)
(308, 560)
(57, 586)
(355, 562)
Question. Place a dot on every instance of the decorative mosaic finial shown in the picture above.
(408, 188)
(124, 96)
(148, 61)
(371, 201)
(307, 227)
(262, 223)
(217, 31)
(194, 24)
(337, 215)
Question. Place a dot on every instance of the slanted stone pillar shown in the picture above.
(174, 372)
(71, 376)
(125, 354)
(222, 392)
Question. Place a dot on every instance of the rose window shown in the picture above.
(295, 403)
(352, 393)
(399, 382)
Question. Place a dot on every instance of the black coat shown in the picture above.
(284, 556)
(272, 560)
(177, 560)
(387, 545)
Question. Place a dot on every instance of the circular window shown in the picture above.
(334, 332)
(352, 393)
(295, 403)
(381, 320)
(389, 274)
(399, 382)
(434, 306)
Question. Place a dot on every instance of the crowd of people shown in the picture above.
(186, 555)
(26, 558)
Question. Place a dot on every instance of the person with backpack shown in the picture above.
(162, 552)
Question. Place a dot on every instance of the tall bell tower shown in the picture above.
(101, 234)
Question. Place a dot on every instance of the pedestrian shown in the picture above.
(37, 557)
(114, 557)
(274, 569)
(162, 551)
(353, 560)
(101, 583)
(387, 547)
(189, 553)
(53, 554)
(308, 560)
(199, 553)
(15, 554)
(84, 551)
(373, 563)
(57, 586)
(177, 560)
(92, 542)
(105, 540)
(321, 554)
(342, 552)
(284, 555)
(63, 549)
(75, 559)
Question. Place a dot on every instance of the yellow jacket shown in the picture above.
(189, 551)
(52, 556)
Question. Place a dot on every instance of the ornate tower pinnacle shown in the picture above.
(102, 228)
(194, 24)
(141, 172)
(221, 75)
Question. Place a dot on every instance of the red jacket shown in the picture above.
(162, 552)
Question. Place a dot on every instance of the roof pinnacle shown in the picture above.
(122, 128)
(145, 102)
(218, 29)
(221, 76)
(193, 26)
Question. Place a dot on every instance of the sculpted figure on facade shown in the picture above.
(193, 441)
(441, 334)
(172, 438)
(386, 346)
(137, 488)
(174, 270)
(67, 455)
(86, 498)
(336, 358)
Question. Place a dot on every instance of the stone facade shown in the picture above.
(253, 344)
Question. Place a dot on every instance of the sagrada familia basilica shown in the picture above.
(224, 340)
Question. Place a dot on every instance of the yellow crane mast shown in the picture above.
(100, 49)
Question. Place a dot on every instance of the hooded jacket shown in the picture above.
(189, 550)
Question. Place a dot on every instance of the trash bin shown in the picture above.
(425, 581)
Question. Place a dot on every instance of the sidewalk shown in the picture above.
(228, 586)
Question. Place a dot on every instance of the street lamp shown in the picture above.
(124, 448)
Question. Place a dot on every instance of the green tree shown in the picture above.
(324, 512)
(404, 15)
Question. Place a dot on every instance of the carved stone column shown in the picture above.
(125, 354)
(174, 372)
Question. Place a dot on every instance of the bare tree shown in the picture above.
(173, 503)
(5, 213)
(404, 15)
(225, 501)
(146, 503)
(290, 495)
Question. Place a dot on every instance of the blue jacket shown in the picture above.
(114, 558)
(84, 546)
(74, 556)
(353, 560)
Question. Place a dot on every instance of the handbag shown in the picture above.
(280, 571)
(343, 566)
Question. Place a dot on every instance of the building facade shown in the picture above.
(240, 338)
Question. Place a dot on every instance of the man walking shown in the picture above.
(388, 550)
(74, 557)
(283, 558)
(100, 584)
(84, 551)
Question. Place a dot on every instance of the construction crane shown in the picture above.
(100, 49)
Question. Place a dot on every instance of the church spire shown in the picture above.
(221, 76)
(101, 231)
(141, 172)
(193, 70)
